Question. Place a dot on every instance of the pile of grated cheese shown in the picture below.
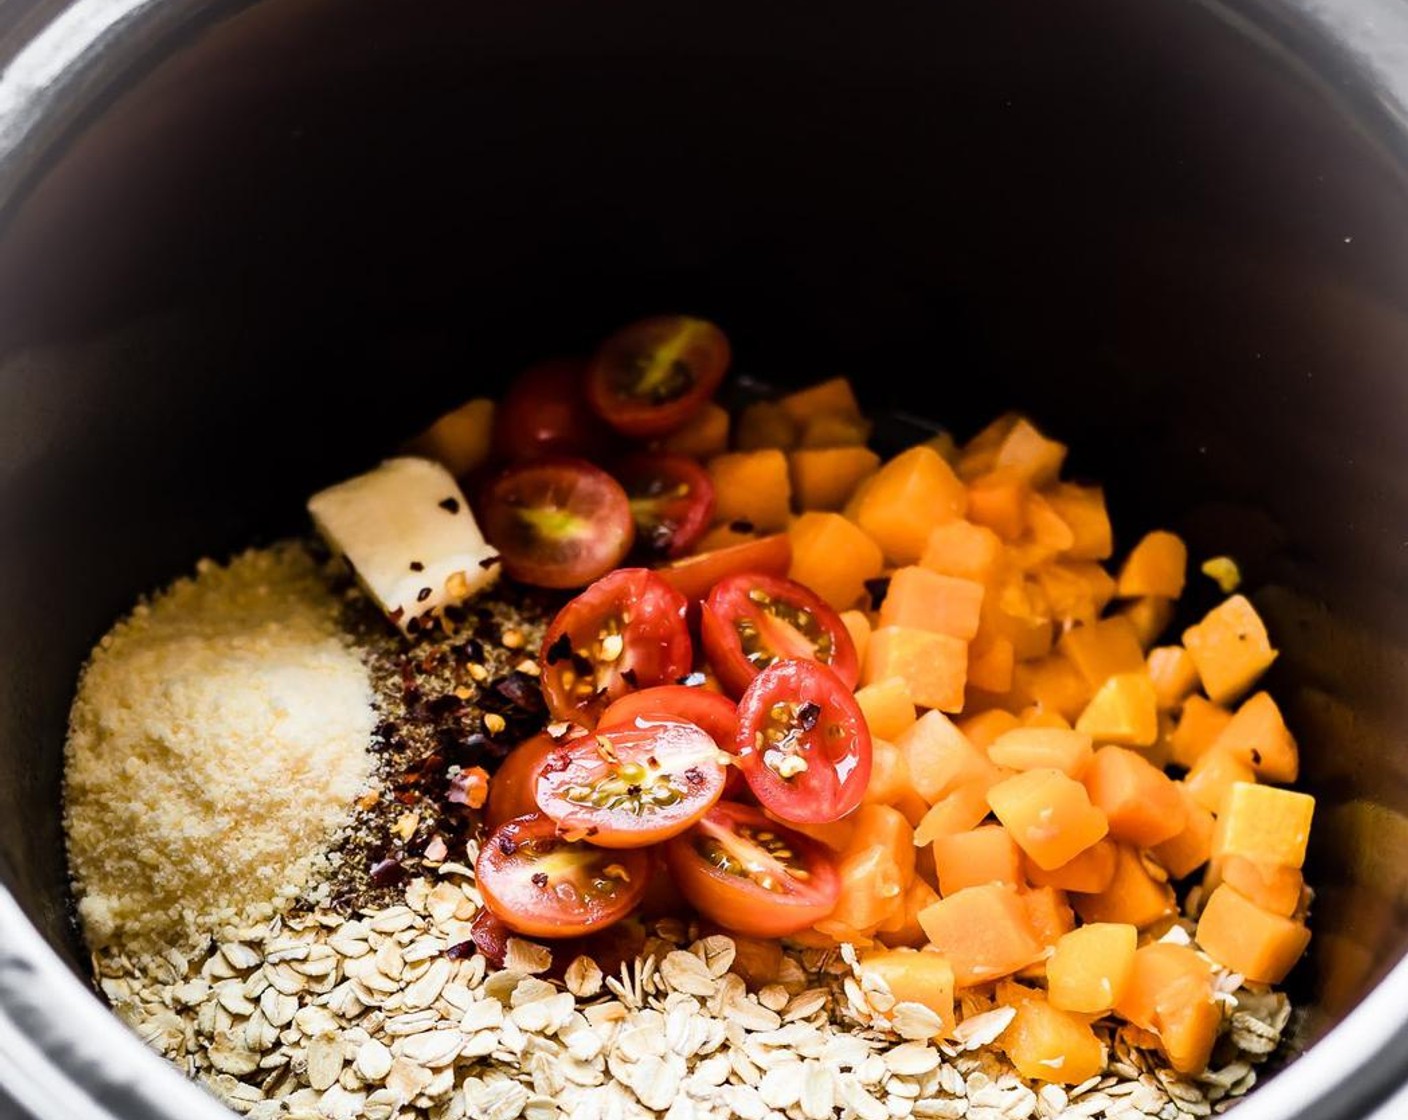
(217, 744)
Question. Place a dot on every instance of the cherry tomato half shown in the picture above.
(633, 784)
(672, 500)
(557, 522)
(751, 620)
(626, 631)
(752, 875)
(650, 377)
(802, 743)
(541, 885)
(544, 411)
(512, 784)
(695, 575)
(713, 711)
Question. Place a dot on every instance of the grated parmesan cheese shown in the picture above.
(216, 745)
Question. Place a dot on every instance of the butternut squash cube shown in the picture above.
(1213, 776)
(1049, 815)
(1124, 710)
(1243, 937)
(933, 666)
(1149, 616)
(824, 478)
(1230, 648)
(1135, 895)
(765, 424)
(1264, 824)
(1199, 725)
(985, 728)
(887, 706)
(1174, 675)
(834, 397)
(963, 550)
(900, 505)
(1271, 886)
(1157, 565)
(1258, 736)
(984, 933)
(1184, 853)
(962, 808)
(926, 600)
(857, 624)
(915, 977)
(1103, 649)
(1036, 748)
(986, 854)
(752, 486)
(1092, 967)
(940, 758)
(1048, 1044)
(1141, 802)
(833, 557)
(1083, 509)
(1087, 872)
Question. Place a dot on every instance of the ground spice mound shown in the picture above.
(217, 743)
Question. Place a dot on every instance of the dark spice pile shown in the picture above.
(455, 699)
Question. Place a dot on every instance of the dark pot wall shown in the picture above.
(313, 224)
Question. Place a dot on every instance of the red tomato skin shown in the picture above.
(602, 540)
(511, 785)
(833, 782)
(691, 514)
(694, 576)
(728, 601)
(544, 412)
(740, 904)
(679, 747)
(713, 711)
(530, 909)
(707, 353)
(657, 649)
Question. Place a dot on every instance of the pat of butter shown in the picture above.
(409, 536)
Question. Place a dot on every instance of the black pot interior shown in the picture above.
(297, 230)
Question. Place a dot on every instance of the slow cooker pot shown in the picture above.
(246, 247)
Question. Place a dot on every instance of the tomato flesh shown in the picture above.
(751, 620)
(650, 377)
(752, 875)
(713, 711)
(541, 885)
(672, 500)
(511, 787)
(557, 522)
(631, 785)
(694, 576)
(625, 632)
(803, 744)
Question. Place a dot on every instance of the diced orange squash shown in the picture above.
(889, 773)
(460, 440)
(1157, 565)
(1091, 967)
(752, 486)
(986, 854)
(872, 889)
(1054, 684)
(999, 501)
(826, 477)
(940, 757)
(983, 931)
(1157, 967)
(1149, 616)
(1088, 872)
(1016, 611)
(1174, 675)
(1047, 535)
(1213, 776)
(1184, 853)
(833, 557)
(903, 928)
(1101, 650)
(857, 624)
(1049, 914)
(1273, 887)
(887, 706)
(703, 435)
(1230, 648)
(926, 600)
(1257, 735)
(885, 826)
(915, 977)
(1243, 937)
(833, 396)
(1265, 824)
(1199, 724)
(912, 807)
(1142, 803)
(836, 835)
(1123, 710)
(984, 728)
(1074, 591)
(1035, 748)
(765, 424)
(1186, 1019)
(965, 550)
(1135, 895)
(900, 505)
(1083, 509)
(1029, 455)
(991, 664)
(1037, 716)
(1045, 1043)
(933, 666)
(962, 808)
(833, 429)
(1048, 814)
(979, 454)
